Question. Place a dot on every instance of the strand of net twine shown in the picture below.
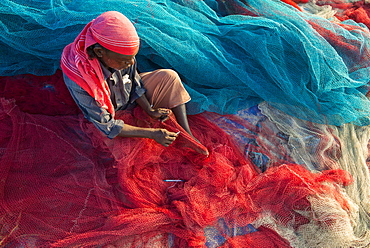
(175, 181)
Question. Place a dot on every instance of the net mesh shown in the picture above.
(209, 43)
(323, 147)
(271, 179)
(63, 184)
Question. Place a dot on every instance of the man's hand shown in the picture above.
(159, 113)
(160, 135)
(164, 137)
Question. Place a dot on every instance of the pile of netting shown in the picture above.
(259, 72)
(64, 184)
(343, 10)
(230, 54)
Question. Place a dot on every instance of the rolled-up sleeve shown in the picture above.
(100, 117)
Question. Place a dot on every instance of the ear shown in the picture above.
(99, 51)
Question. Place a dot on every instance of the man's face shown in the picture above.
(114, 60)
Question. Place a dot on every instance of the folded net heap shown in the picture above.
(65, 185)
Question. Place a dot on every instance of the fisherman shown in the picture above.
(100, 71)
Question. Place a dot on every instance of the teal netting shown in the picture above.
(230, 54)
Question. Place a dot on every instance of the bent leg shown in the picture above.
(181, 117)
(165, 90)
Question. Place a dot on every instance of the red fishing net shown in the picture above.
(358, 11)
(295, 3)
(63, 184)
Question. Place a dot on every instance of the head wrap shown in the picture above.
(113, 31)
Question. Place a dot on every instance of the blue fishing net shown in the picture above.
(230, 54)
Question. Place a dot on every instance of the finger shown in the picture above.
(164, 118)
(171, 134)
(170, 139)
(164, 112)
(169, 142)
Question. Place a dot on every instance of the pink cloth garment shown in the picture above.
(113, 31)
(164, 88)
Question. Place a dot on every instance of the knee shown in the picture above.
(169, 75)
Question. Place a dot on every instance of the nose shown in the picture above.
(130, 63)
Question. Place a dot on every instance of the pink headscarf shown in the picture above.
(113, 31)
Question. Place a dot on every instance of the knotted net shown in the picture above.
(230, 54)
(63, 184)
